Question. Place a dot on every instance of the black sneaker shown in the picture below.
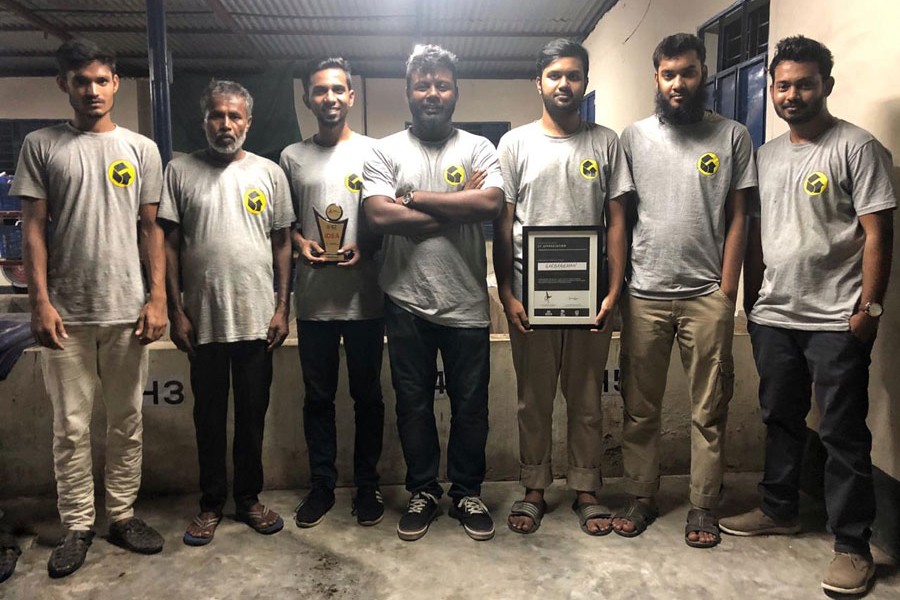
(69, 555)
(420, 512)
(368, 506)
(473, 515)
(313, 507)
(135, 535)
(9, 555)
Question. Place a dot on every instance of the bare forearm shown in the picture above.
(466, 206)
(387, 217)
(281, 264)
(753, 266)
(503, 250)
(35, 250)
(877, 254)
(617, 251)
(173, 269)
(153, 253)
(735, 240)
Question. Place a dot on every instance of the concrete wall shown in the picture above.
(40, 98)
(170, 463)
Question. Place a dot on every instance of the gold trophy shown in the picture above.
(331, 230)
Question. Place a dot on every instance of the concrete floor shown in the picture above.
(339, 560)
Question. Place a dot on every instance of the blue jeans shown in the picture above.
(413, 344)
(836, 365)
(318, 343)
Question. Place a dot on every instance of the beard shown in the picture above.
(556, 111)
(690, 111)
(227, 149)
(805, 114)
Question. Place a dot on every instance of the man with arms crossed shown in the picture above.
(336, 301)
(693, 171)
(433, 273)
(560, 171)
(816, 273)
(227, 214)
(94, 180)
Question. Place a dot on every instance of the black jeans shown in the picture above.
(250, 368)
(836, 365)
(413, 344)
(319, 343)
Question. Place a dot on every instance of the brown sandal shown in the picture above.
(261, 518)
(202, 529)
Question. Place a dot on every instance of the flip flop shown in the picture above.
(702, 520)
(206, 528)
(261, 519)
(525, 508)
(587, 511)
(638, 513)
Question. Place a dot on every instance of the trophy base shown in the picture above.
(336, 257)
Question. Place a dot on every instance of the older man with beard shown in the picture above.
(228, 215)
(692, 173)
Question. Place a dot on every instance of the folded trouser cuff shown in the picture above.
(585, 480)
(707, 501)
(643, 489)
(536, 477)
(120, 516)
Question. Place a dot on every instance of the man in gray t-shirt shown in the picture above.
(560, 171)
(692, 173)
(228, 215)
(94, 181)
(816, 272)
(336, 300)
(428, 189)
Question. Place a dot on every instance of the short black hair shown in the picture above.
(429, 58)
(803, 49)
(676, 45)
(330, 62)
(227, 89)
(75, 53)
(561, 48)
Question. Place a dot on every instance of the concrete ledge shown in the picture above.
(170, 463)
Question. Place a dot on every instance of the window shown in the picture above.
(587, 109)
(736, 42)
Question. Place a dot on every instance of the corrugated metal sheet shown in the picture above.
(493, 38)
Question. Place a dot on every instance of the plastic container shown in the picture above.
(11, 240)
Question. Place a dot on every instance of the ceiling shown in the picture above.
(492, 38)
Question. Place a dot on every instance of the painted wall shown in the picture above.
(40, 98)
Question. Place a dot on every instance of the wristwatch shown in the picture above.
(873, 309)
(408, 197)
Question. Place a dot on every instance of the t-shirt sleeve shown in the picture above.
(168, 200)
(743, 174)
(378, 175)
(284, 210)
(619, 174)
(485, 159)
(151, 174)
(30, 180)
(287, 165)
(870, 173)
(625, 142)
(509, 169)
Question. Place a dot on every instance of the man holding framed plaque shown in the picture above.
(428, 189)
(227, 215)
(336, 294)
(565, 182)
(693, 171)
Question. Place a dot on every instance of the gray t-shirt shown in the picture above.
(560, 180)
(682, 177)
(439, 277)
(322, 176)
(811, 197)
(94, 184)
(227, 213)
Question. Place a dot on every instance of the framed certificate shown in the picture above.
(563, 275)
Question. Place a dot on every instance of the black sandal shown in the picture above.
(700, 520)
(640, 514)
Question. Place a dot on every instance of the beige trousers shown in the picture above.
(104, 361)
(704, 329)
(577, 359)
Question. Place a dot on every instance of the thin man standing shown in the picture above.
(227, 214)
(816, 274)
(98, 184)
(560, 170)
(693, 171)
(338, 299)
(415, 191)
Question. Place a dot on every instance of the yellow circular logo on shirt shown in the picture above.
(353, 183)
(254, 201)
(121, 173)
(708, 164)
(454, 175)
(815, 183)
(589, 168)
